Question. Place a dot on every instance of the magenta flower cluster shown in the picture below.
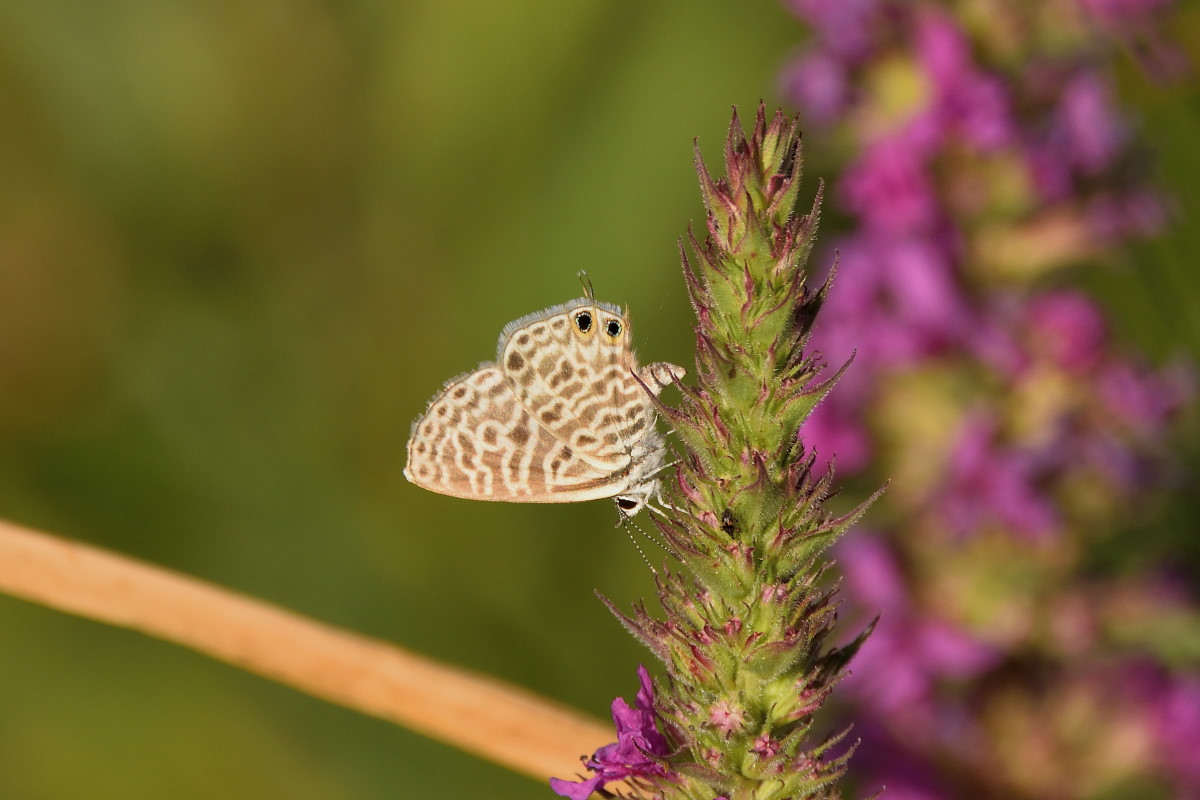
(634, 753)
(907, 296)
(988, 160)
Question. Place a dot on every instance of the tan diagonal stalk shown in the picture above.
(497, 721)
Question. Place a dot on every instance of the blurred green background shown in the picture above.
(242, 244)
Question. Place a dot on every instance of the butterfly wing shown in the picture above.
(572, 369)
(478, 441)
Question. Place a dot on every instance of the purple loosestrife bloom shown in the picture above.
(1080, 137)
(906, 290)
(638, 740)
(905, 299)
(898, 768)
(901, 307)
(1145, 400)
(819, 78)
(747, 613)
(1176, 723)
(988, 483)
(746, 616)
(986, 150)
(908, 653)
(890, 188)
(1069, 328)
(846, 26)
(967, 102)
(1093, 133)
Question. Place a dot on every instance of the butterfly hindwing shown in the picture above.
(476, 441)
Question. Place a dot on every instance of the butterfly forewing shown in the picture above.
(574, 371)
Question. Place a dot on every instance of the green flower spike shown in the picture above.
(747, 615)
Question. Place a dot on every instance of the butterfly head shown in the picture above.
(592, 320)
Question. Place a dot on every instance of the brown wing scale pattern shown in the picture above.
(476, 441)
(574, 371)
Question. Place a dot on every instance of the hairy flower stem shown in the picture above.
(746, 617)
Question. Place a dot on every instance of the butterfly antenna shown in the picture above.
(625, 518)
(587, 286)
(636, 546)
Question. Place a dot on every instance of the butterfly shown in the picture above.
(564, 414)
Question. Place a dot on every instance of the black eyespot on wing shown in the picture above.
(625, 504)
(583, 321)
(614, 328)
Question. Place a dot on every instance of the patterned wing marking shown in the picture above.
(579, 383)
(476, 441)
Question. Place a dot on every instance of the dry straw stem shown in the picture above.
(504, 724)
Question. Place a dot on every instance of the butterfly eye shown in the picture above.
(614, 328)
(626, 504)
(583, 321)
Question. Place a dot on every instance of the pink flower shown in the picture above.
(897, 301)
(764, 746)
(835, 430)
(967, 102)
(1092, 132)
(1176, 718)
(987, 482)
(847, 27)
(638, 740)
(817, 82)
(883, 760)
(1068, 327)
(726, 716)
(890, 188)
(1144, 400)
(898, 666)
(1081, 137)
